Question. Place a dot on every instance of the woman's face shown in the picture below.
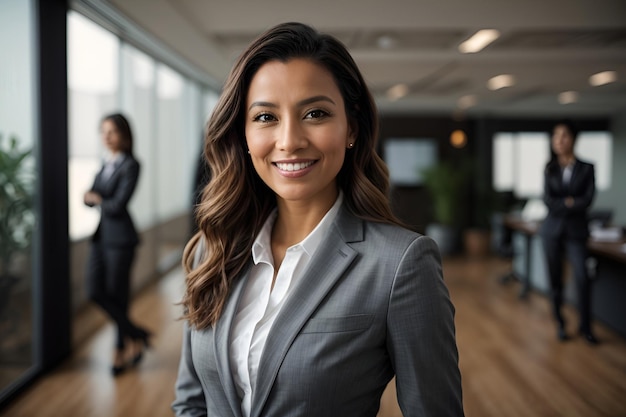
(297, 130)
(562, 141)
(110, 136)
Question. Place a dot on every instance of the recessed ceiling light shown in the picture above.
(501, 81)
(466, 101)
(568, 97)
(397, 92)
(458, 138)
(479, 40)
(386, 42)
(602, 78)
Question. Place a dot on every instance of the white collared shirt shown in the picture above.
(567, 172)
(260, 303)
(110, 164)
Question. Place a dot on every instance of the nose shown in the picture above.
(291, 135)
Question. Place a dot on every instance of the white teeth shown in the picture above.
(293, 167)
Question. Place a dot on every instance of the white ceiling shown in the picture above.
(549, 46)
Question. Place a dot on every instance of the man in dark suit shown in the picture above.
(569, 187)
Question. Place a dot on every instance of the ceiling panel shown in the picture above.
(549, 46)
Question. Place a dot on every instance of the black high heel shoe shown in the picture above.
(116, 370)
(144, 339)
(561, 334)
(589, 337)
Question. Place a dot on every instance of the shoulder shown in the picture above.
(130, 160)
(407, 240)
(130, 163)
(390, 241)
(355, 229)
(389, 231)
(552, 166)
(584, 164)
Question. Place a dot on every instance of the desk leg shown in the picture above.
(525, 277)
(509, 276)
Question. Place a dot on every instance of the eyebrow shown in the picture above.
(304, 102)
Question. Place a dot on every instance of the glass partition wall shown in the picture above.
(18, 173)
(64, 74)
(167, 111)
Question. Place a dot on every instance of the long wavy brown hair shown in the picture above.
(236, 202)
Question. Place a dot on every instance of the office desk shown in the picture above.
(527, 229)
(609, 250)
(608, 294)
(609, 286)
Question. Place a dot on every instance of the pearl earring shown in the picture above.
(350, 145)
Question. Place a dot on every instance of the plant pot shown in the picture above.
(477, 242)
(445, 236)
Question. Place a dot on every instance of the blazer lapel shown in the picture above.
(575, 174)
(116, 167)
(105, 183)
(221, 343)
(327, 265)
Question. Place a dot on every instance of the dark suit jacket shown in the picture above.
(116, 226)
(562, 219)
(372, 303)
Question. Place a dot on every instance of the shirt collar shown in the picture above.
(261, 248)
(114, 159)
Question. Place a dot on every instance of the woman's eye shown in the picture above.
(316, 114)
(264, 118)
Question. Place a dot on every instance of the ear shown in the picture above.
(353, 131)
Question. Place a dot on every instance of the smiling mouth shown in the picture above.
(288, 166)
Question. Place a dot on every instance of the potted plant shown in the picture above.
(16, 213)
(477, 237)
(444, 182)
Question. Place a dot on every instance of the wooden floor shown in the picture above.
(510, 361)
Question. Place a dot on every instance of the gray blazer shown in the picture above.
(372, 304)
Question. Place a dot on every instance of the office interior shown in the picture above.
(162, 64)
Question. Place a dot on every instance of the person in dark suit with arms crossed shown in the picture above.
(569, 187)
(115, 240)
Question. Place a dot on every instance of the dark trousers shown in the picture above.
(576, 250)
(108, 285)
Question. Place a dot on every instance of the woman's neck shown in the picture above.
(296, 220)
(565, 160)
(113, 154)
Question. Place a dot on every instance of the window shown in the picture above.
(165, 110)
(519, 159)
(138, 103)
(18, 202)
(93, 59)
(406, 158)
(597, 148)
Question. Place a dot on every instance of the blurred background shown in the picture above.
(466, 90)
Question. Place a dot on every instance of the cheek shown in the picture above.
(334, 141)
(258, 143)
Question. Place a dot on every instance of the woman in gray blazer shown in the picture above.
(113, 244)
(304, 294)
